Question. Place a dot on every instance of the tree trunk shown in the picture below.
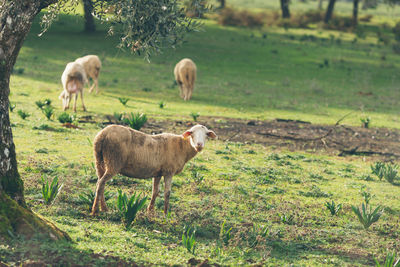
(285, 9)
(222, 4)
(355, 12)
(329, 10)
(16, 18)
(320, 4)
(89, 21)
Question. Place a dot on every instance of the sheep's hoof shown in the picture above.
(93, 213)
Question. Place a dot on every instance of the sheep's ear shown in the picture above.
(187, 134)
(211, 134)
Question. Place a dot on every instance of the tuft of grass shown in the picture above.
(23, 114)
(390, 172)
(129, 207)
(162, 104)
(333, 208)
(367, 216)
(48, 112)
(390, 261)
(135, 120)
(123, 100)
(225, 234)
(50, 191)
(87, 198)
(12, 106)
(189, 239)
(65, 118)
(365, 122)
(195, 115)
(118, 117)
(377, 169)
(40, 104)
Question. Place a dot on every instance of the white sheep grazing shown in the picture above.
(185, 76)
(119, 149)
(92, 66)
(72, 79)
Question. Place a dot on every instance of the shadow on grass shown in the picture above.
(40, 251)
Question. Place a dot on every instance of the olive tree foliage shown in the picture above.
(145, 27)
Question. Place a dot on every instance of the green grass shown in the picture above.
(249, 186)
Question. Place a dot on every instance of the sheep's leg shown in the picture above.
(83, 105)
(96, 81)
(167, 192)
(100, 193)
(91, 87)
(156, 190)
(75, 100)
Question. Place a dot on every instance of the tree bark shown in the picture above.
(285, 9)
(89, 21)
(320, 4)
(329, 10)
(16, 19)
(222, 4)
(355, 12)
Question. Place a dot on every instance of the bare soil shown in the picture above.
(339, 140)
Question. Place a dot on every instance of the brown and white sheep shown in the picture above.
(92, 66)
(119, 149)
(185, 76)
(72, 79)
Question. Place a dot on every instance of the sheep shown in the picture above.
(119, 149)
(92, 66)
(72, 79)
(185, 76)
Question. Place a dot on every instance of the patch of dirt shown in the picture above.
(296, 135)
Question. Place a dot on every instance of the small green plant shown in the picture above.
(135, 120)
(365, 122)
(377, 169)
(12, 106)
(287, 219)
(65, 118)
(189, 239)
(197, 176)
(333, 208)
(366, 216)
(390, 261)
(50, 191)
(87, 198)
(23, 114)
(118, 117)
(194, 115)
(123, 100)
(40, 104)
(390, 172)
(161, 104)
(256, 233)
(48, 111)
(225, 234)
(47, 102)
(129, 207)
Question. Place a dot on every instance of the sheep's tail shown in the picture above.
(98, 155)
(188, 78)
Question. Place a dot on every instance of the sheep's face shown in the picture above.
(198, 135)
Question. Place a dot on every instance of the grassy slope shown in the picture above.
(239, 76)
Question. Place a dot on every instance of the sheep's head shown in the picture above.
(197, 135)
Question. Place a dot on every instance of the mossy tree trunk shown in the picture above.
(16, 19)
(89, 21)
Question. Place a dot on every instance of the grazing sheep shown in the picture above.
(72, 79)
(119, 149)
(92, 66)
(185, 76)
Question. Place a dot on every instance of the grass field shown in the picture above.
(311, 75)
